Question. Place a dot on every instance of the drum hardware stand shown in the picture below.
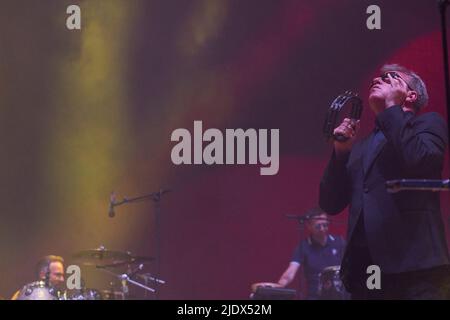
(149, 278)
(156, 198)
(125, 279)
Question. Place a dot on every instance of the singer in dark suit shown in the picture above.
(402, 233)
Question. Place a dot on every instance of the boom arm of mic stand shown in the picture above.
(303, 219)
(127, 278)
(155, 196)
(148, 277)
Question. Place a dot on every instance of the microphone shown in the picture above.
(112, 201)
(300, 218)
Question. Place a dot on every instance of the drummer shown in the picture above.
(318, 251)
(49, 269)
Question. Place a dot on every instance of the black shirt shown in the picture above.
(359, 233)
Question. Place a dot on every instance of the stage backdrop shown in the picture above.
(87, 112)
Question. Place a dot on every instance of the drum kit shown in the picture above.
(331, 286)
(103, 260)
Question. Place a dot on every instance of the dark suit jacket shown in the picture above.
(404, 230)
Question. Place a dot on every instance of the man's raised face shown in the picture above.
(381, 87)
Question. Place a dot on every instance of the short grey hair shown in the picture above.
(415, 82)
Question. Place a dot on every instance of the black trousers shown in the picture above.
(429, 284)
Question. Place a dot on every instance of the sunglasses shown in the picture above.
(395, 75)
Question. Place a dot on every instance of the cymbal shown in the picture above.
(102, 256)
(132, 260)
(142, 259)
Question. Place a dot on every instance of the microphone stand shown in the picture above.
(156, 198)
(126, 278)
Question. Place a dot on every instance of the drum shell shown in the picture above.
(38, 291)
(330, 285)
